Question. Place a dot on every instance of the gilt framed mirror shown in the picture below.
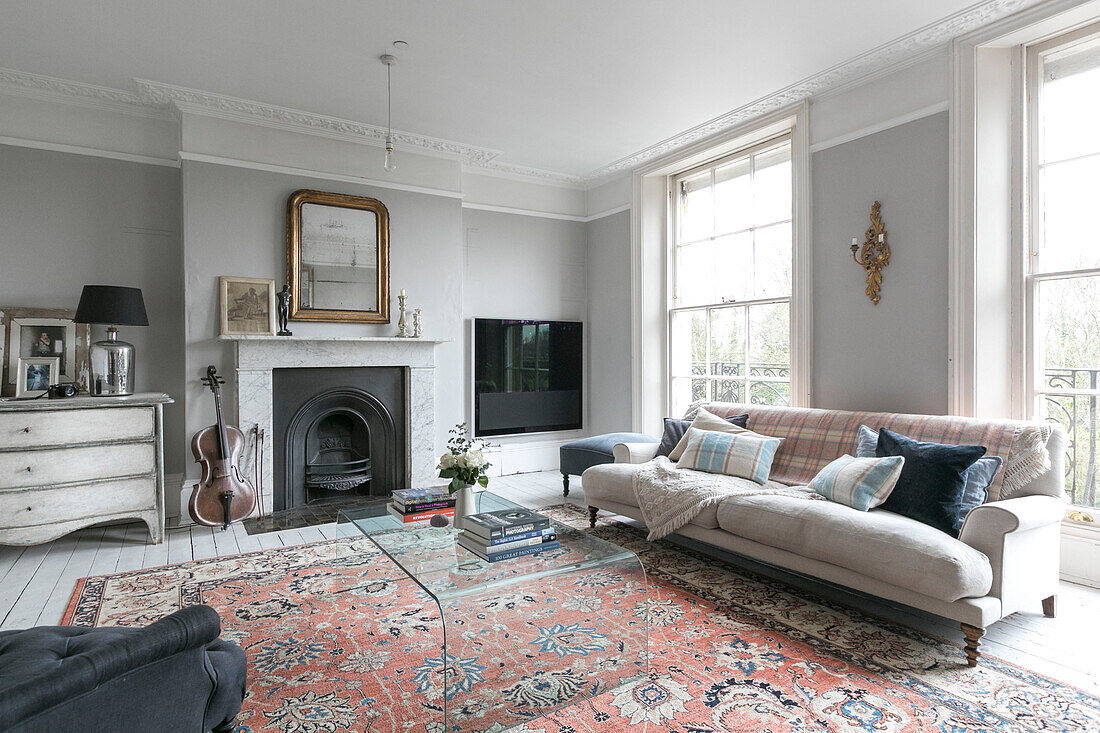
(338, 258)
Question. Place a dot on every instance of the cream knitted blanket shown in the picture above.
(670, 497)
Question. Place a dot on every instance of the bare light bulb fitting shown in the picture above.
(389, 164)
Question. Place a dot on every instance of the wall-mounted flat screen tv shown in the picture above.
(527, 376)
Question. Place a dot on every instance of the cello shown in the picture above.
(223, 495)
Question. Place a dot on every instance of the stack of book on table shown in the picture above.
(418, 505)
(507, 533)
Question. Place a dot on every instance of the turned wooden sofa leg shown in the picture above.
(973, 636)
(565, 484)
(593, 512)
(1050, 607)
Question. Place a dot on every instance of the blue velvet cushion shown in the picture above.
(979, 477)
(933, 478)
(675, 430)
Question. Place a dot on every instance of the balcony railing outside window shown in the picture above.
(1077, 413)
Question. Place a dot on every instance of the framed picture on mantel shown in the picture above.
(247, 306)
(338, 258)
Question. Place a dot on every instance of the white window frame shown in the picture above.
(1035, 371)
(988, 234)
(650, 252)
(748, 152)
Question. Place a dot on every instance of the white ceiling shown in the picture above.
(568, 86)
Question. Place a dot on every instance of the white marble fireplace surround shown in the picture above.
(257, 356)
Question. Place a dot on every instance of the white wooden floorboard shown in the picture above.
(19, 577)
(225, 542)
(132, 553)
(311, 534)
(179, 545)
(156, 555)
(269, 540)
(8, 555)
(78, 566)
(202, 542)
(246, 542)
(26, 610)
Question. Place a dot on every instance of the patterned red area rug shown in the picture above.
(729, 651)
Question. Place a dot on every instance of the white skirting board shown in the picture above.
(1081, 555)
(526, 456)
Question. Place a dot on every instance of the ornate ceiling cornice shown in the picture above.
(50, 88)
(271, 115)
(886, 57)
(155, 99)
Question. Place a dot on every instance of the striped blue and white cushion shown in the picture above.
(861, 483)
(746, 455)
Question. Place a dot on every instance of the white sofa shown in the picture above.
(1005, 560)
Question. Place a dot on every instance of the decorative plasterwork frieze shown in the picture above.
(271, 115)
(52, 89)
(155, 99)
(887, 56)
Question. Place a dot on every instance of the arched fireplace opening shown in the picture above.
(339, 434)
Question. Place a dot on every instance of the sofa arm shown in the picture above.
(88, 661)
(1021, 539)
(634, 452)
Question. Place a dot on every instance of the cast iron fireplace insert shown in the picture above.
(338, 434)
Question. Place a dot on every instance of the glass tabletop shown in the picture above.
(433, 557)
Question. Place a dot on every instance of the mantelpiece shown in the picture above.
(259, 355)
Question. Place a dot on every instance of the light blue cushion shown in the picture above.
(743, 455)
(861, 483)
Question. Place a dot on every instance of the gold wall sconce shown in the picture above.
(875, 254)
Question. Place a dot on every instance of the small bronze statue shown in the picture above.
(284, 310)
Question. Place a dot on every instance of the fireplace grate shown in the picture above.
(338, 468)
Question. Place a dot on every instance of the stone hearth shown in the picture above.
(257, 356)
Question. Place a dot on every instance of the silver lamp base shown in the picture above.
(112, 366)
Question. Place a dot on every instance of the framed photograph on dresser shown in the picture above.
(35, 374)
(44, 333)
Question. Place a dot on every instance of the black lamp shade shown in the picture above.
(111, 305)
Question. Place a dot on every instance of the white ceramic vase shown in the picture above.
(465, 505)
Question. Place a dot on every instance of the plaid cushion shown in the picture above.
(861, 483)
(734, 454)
(814, 438)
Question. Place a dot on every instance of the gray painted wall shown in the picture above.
(892, 356)
(235, 224)
(69, 220)
(609, 374)
(521, 267)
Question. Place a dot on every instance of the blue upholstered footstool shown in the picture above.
(589, 452)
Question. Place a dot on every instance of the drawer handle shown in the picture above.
(26, 429)
(28, 469)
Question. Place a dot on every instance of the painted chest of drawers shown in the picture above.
(67, 464)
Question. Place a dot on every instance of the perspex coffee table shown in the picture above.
(520, 637)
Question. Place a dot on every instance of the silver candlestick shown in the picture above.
(402, 324)
(416, 323)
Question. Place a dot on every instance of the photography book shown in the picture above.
(412, 501)
(510, 554)
(486, 542)
(505, 523)
(477, 544)
(419, 516)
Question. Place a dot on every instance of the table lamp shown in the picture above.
(112, 361)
